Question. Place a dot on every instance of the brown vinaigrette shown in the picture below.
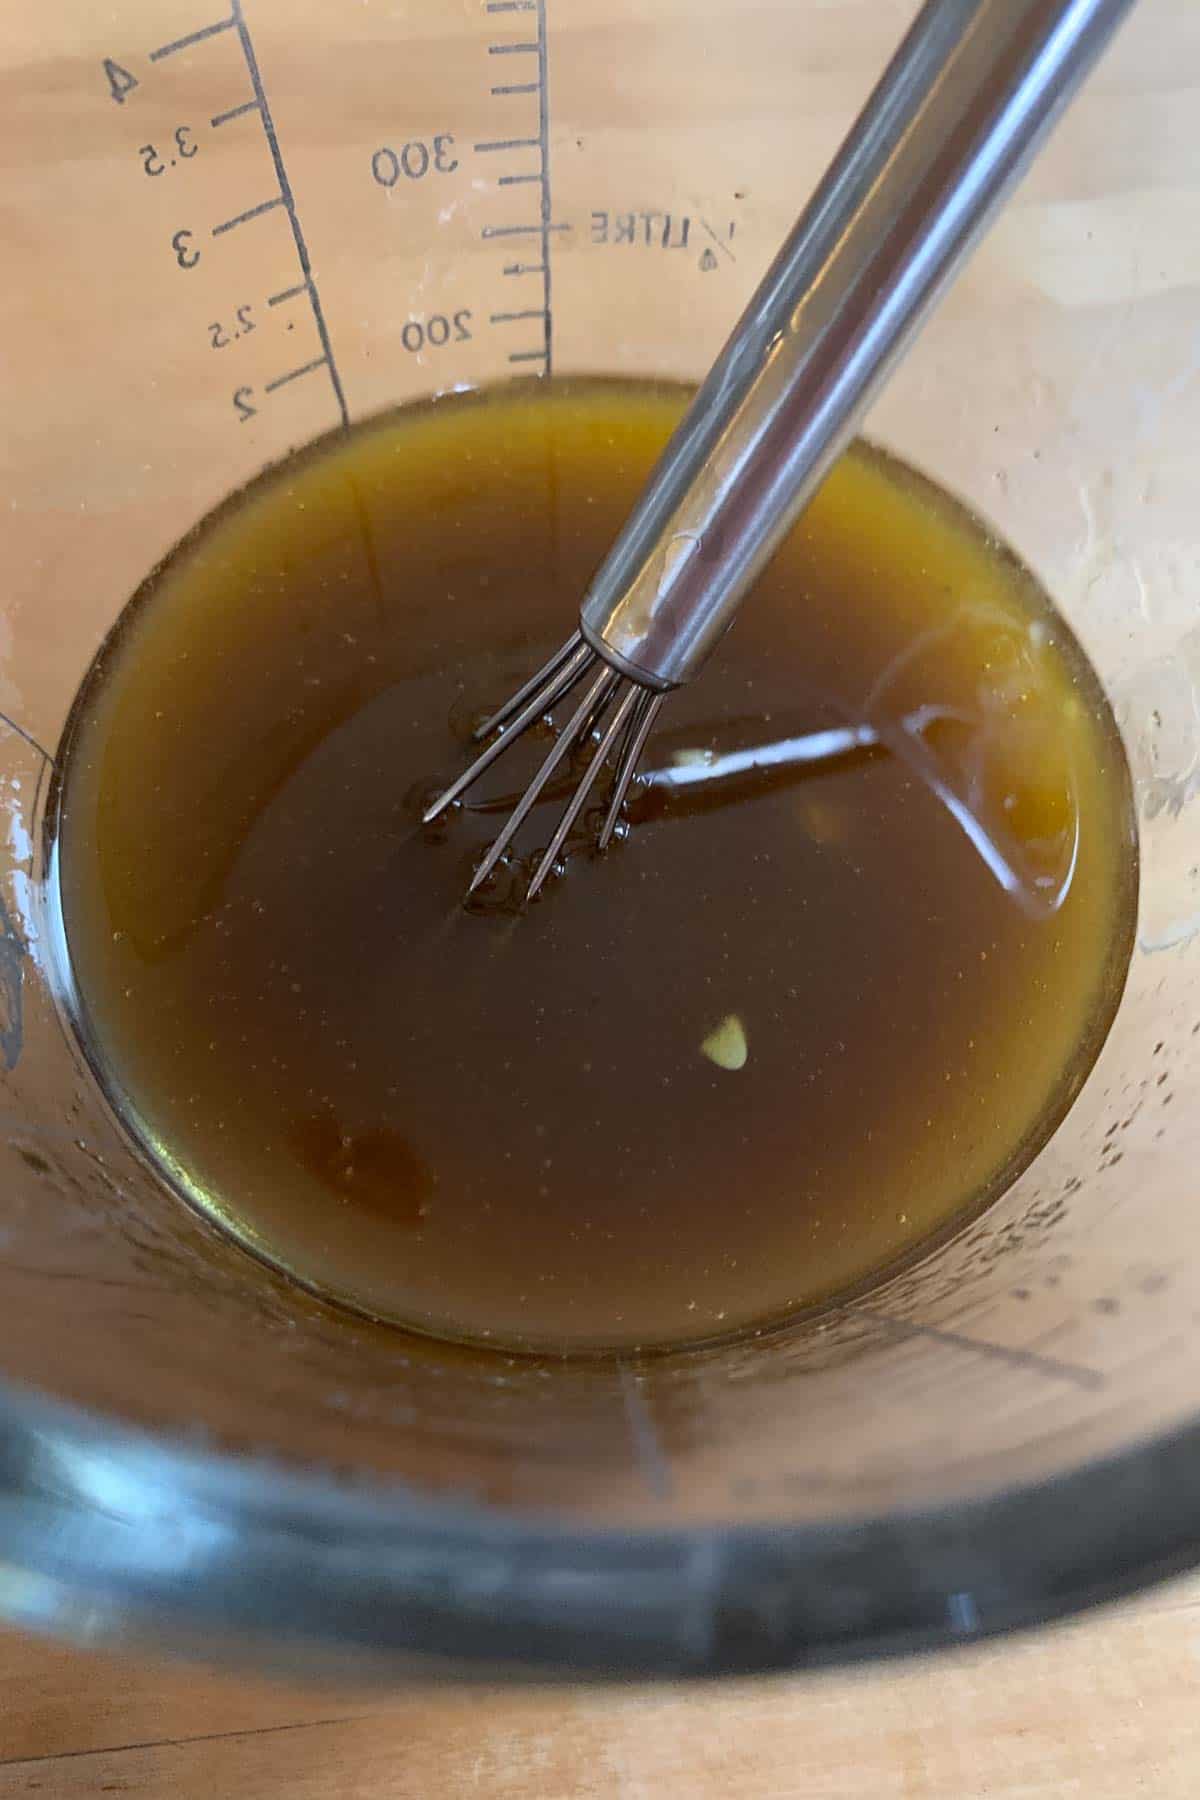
(832, 991)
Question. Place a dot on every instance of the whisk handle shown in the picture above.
(955, 119)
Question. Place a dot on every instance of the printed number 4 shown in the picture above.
(120, 82)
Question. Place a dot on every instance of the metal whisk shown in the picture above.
(956, 117)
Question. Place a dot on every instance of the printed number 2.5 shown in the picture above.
(220, 334)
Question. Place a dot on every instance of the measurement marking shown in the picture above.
(647, 1444)
(235, 112)
(301, 287)
(289, 201)
(495, 231)
(20, 731)
(957, 1340)
(510, 144)
(723, 248)
(255, 212)
(544, 142)
(541, 176)
(318, 362)
(193, 37)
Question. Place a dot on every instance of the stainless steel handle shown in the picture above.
(955, 119)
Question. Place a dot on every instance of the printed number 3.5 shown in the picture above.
(185, 143)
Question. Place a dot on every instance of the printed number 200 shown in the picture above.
(437, 330)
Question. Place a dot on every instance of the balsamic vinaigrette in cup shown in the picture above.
(830, 994)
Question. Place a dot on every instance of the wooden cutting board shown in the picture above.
(1104, 1708)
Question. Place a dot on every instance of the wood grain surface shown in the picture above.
(1104, 1707)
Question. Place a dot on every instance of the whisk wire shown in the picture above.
(595, 721)
(641, 723)
(605, 684)
(574, 806)
(567, 652)
(553, 681)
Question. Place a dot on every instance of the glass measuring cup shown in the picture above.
(228, 233)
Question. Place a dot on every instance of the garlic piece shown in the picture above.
(726, 1045)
